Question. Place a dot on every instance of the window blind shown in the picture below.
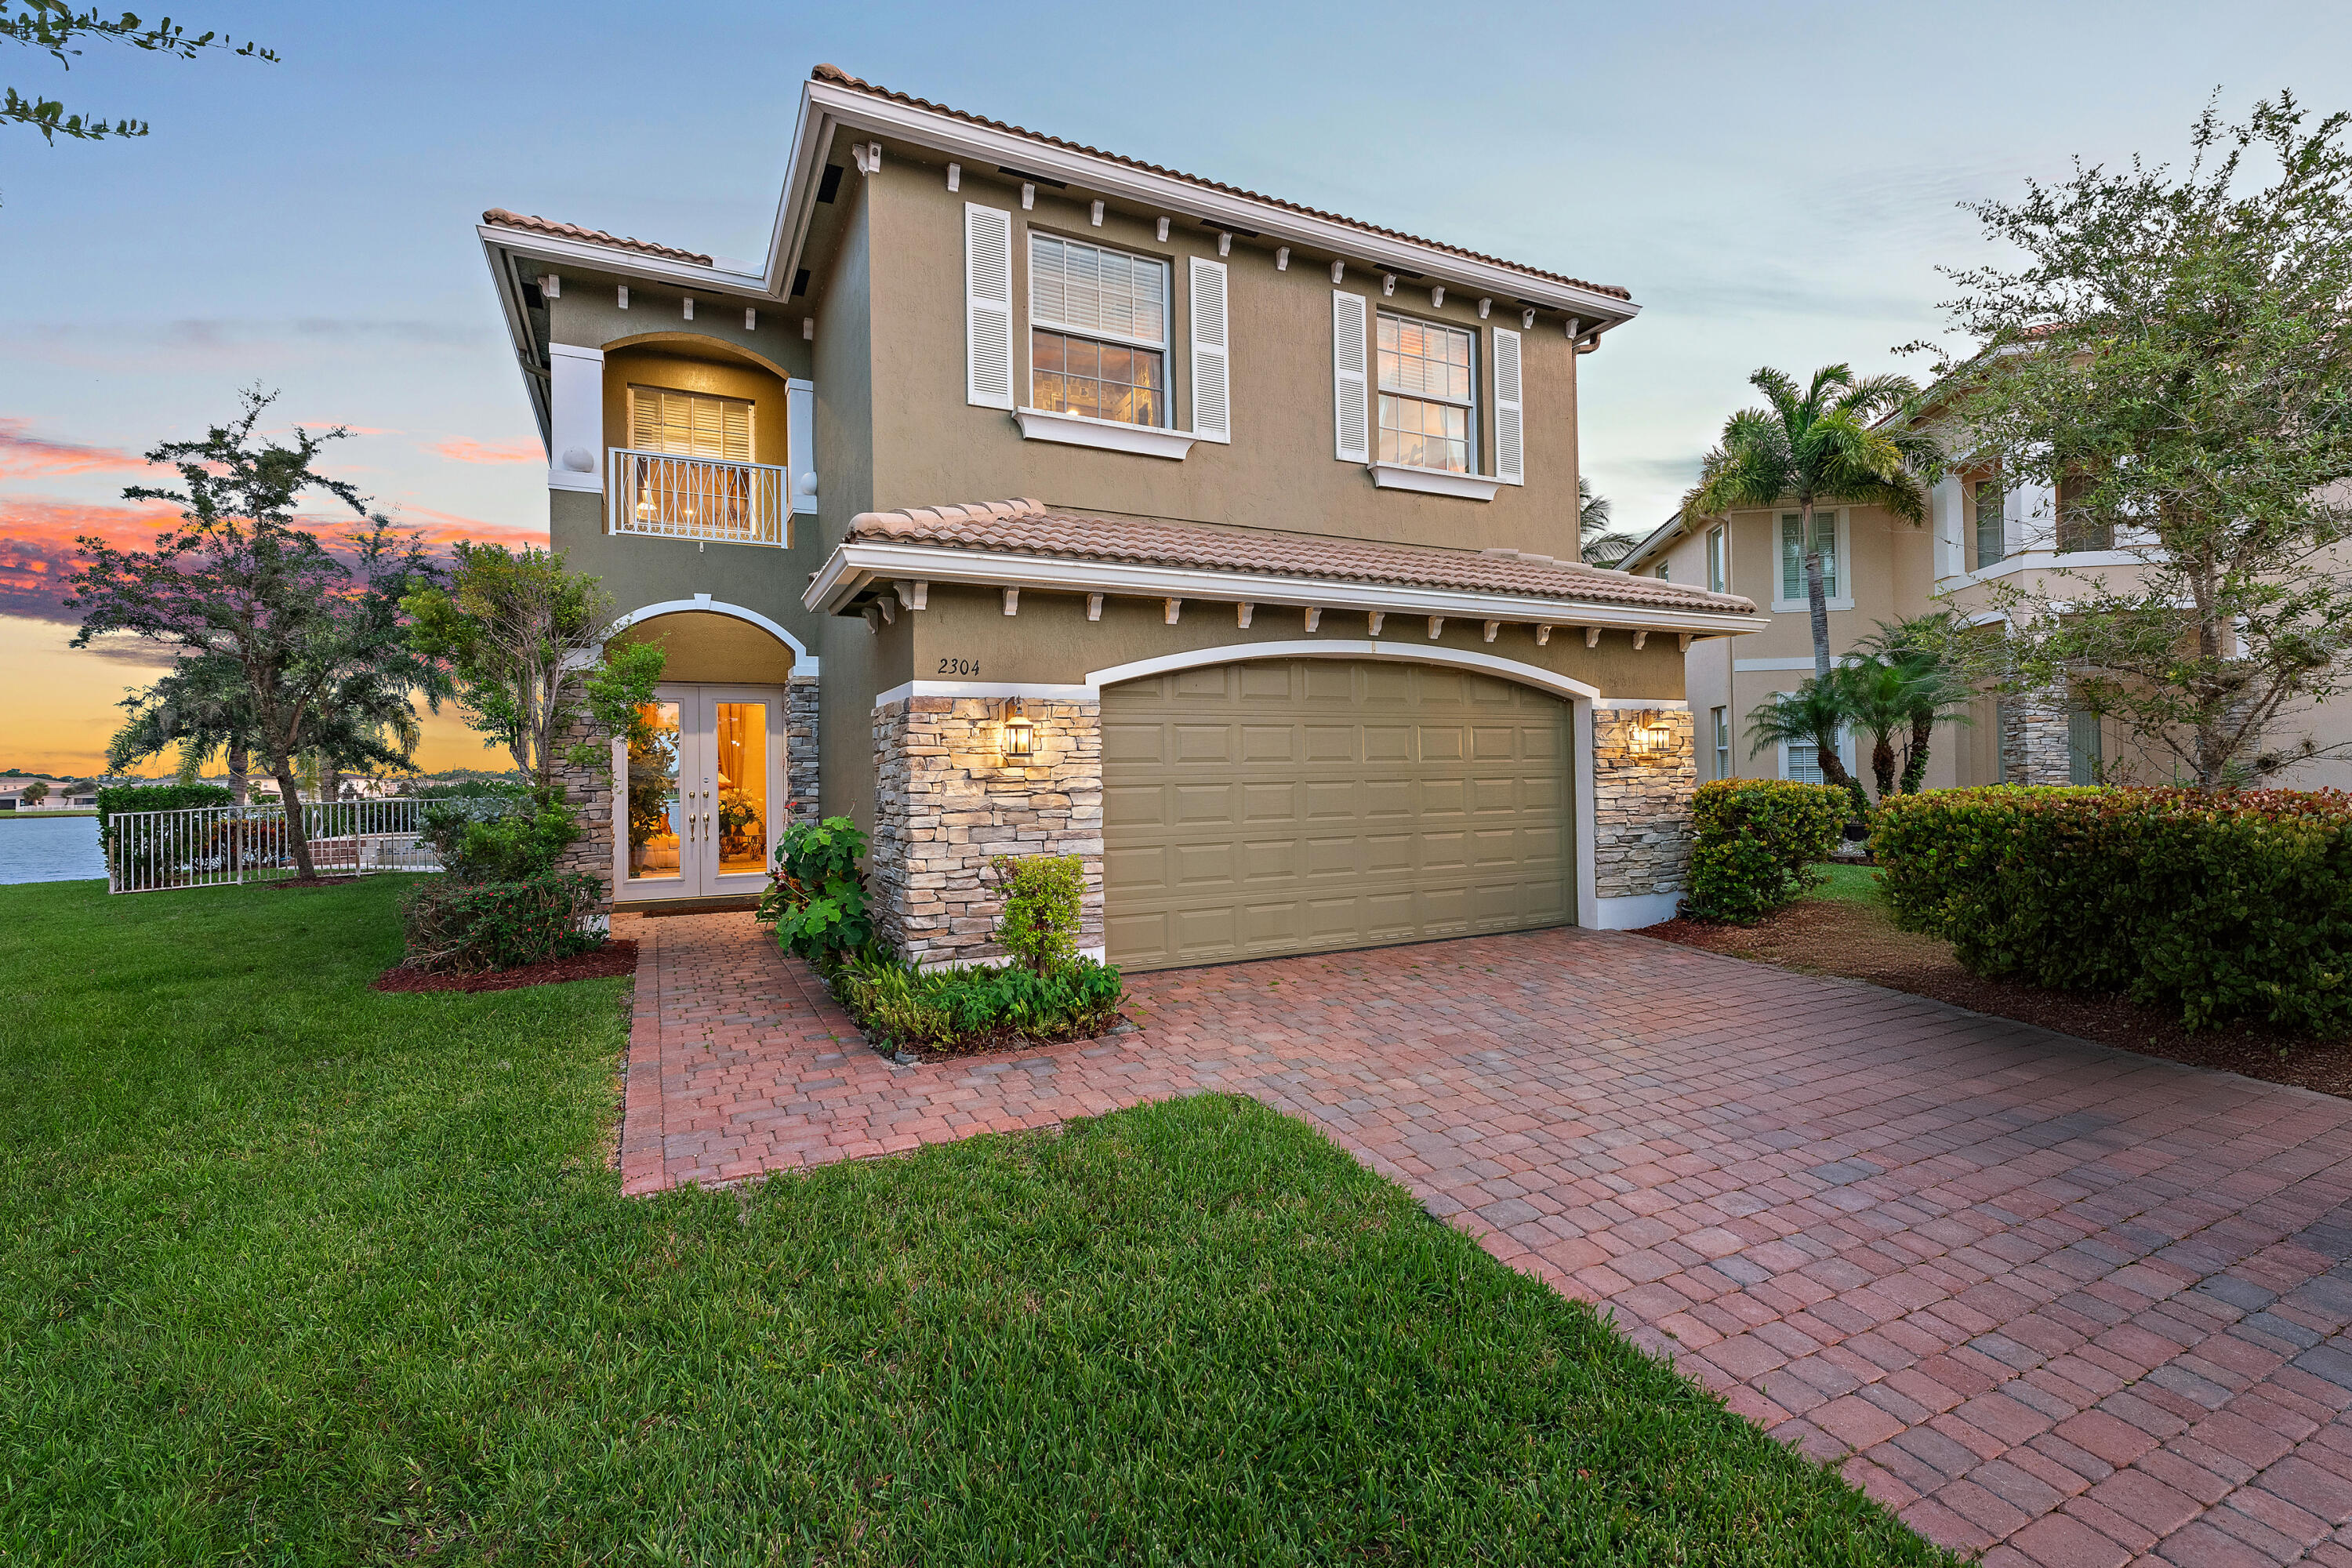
(690, 424)
(1087, 288)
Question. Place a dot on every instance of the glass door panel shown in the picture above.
(739, 732)
(656, 814)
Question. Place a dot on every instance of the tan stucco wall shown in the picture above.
(588, 314)
(716, 650)
(687, 366)
(1050, 640)
(932, 446)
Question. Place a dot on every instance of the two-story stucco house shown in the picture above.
(1027, 498)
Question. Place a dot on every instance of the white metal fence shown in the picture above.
(696, 497)
(217, 846)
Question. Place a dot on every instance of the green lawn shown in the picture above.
(1847, 884)
(292, 1271)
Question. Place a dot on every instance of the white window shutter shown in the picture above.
(1350, 410)
(1213, 418)
(800, 443)
(1510, 419)
(987, 306)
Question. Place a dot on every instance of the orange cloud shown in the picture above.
(465, 451)
(23, 455)
(37, 547)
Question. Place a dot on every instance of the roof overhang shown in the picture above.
(859, 566)
(1652, 543)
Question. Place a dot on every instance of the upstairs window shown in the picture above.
(1991, 540)
(1792, 552)
(1715, 573)
(1098, 332)
(1664, 572)
(689, 425)
(1428, 409)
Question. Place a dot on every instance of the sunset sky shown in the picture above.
(1775, 184)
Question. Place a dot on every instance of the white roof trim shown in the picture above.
(857, 562)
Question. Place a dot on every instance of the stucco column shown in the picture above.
(1645, 771)
(2034, 742)
(947, 802)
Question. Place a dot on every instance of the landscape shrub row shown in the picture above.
(1757, 841)
(1045, 990)
(2230, 904)
(501, 903)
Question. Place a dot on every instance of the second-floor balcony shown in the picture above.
(669, 497)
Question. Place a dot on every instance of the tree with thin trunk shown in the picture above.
(1828, 444)
(318, 647)
(1933, 658)
(530, 644)
(2172, 361)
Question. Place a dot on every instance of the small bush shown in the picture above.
(1039, 923)
(817, 898)
(116, 799)
(453, 927)
(2223, 904)
(1757, 841)
(971, 1009)
(498, 838)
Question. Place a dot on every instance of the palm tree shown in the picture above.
(1596, 542)
(1906, 694)
(1809, 716)
(1824, 444)
(1931, 653)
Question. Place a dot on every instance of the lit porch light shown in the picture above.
(1019, 736)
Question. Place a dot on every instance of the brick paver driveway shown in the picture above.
(2066, 1303)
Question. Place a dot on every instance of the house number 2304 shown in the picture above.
(958, 666)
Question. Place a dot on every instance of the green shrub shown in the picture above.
(116, 799)
(498, 838)
(453, 927)
(2225, 904)
(1039, 923)
(817, 900)
(1757, 841)
(976, 1007)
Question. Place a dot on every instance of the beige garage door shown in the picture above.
(1303, 805)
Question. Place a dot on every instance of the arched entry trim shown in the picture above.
(803, 661)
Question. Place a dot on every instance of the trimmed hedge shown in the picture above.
(117, 798)
(451, 927)
(2225, 904)
(1757, 841)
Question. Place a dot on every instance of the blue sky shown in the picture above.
(1775, 184)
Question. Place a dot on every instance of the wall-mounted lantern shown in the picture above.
(1019, 740)
(1652, 734)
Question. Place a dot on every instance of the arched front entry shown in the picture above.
(731, 761)
(1309, 803)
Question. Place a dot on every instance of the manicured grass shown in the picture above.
(1847, 884)
(295, 1272)
(43, 813)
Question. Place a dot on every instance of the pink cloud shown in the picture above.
(465, 451)
(37, 547)
(23, 455)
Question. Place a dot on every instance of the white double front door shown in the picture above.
(706, 792)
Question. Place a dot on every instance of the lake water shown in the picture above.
(53, 849)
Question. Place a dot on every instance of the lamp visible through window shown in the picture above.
(1019, 740)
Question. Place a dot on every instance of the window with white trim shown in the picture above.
(1722, 717)
(1716, 577)
(1665, 572)
(690, 424)
(1800, 762)
(1429, 408)
(1793, 551)
(1098, 332)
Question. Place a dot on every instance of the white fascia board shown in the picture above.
(980, 144)
(558, 253)
(854, 565)
(1664, 533)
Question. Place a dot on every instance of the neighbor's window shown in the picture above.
(1427, 410)
(1098, 332)
(1793, 551)
(2076, 531)
(1801, 763)
(1722, 742)
(2086, 748)
(1991, 544)
(1715, 576)
(690, 424)
(1662, 571)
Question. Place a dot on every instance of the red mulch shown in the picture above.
(617, 957)
(1825, 936)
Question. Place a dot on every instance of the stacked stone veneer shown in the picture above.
(800, 747)
(1642, 805)
(2033, 741)
(946, 803)
(588, 791)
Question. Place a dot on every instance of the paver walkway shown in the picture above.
(2073, 1305)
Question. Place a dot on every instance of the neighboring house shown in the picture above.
(1284, 633)
(57, 794)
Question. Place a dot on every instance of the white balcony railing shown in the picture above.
(696, 497)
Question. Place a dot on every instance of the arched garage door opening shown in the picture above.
(1308, 804)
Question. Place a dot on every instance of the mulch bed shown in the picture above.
(616, 957)
(1824, 936)
(311, 884)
